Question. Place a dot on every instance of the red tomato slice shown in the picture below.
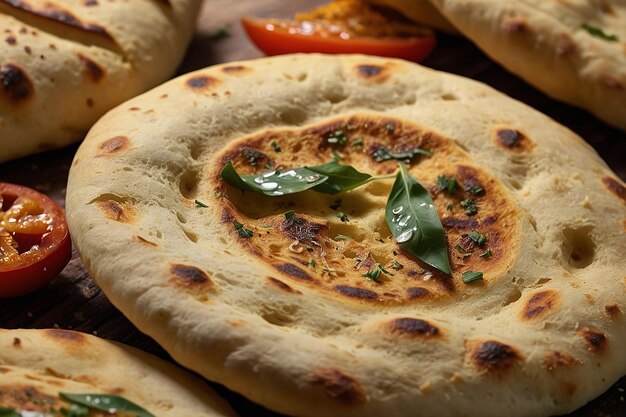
(35, 243)
(278, 39)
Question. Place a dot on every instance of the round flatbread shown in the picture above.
(420, 11)
(574, 51)
(64, 63)
(276, 296)
(37, 365)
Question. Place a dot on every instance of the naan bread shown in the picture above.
(545, 43)
(541, 335)
(35, 365)
(420, 11)
(64, 63)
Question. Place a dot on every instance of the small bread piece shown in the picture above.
(35, 365)
(64, 63)
(420, 11)
(546, 43)
(155, 225)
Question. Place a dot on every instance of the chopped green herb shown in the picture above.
(383, 153)
(390, 127)
(396, 265)
(336, 204)
(449, 207)
(470, 276)
(252, 155)
(342, 237)
(486, 254)
(312, 263)
(276, 147)
(8, 412)
(106, 403)
(289, 215)
(357, 143)
(475, 190)
(221, 33)
(447, 184)
(201, 204)
(460, 249)
(337, 156)
(243, 231)
(375, 272)
(478, 238)
(337, 138)
(599, 33)
(309, 248)
(343, 217)
(470, 206)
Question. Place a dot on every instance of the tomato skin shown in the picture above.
(279, 42)
(55, 248)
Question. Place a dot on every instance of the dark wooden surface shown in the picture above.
(73, 301)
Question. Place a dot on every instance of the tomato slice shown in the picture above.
(277, 37)
(35, 243)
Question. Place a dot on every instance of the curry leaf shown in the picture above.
(340, 178)
(413, 220)
(599, 33)
(8, 412)
(273, 183)
(106, 403)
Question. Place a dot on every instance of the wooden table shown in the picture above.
(73, 301)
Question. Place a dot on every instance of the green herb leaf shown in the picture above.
(220, 33)
(478, 238)
(390, 127)
(383, 153)
(201, 204)
(275, 146)
(75, 410)
(446, 183)
(343, 217)
(8, 412)
(273, 183)
(357, 143)
(486, 254)
(412, 217)
(599, 33)
(396, 265)
(470, 206)
(375, 272)
(342, 237)
(312, 263)
(340, 177)
(243, 232)
(475, 190)
(106, 403)
(460, 249)
(290, 214)
(449, 207)
(470, 276)
(337, 138)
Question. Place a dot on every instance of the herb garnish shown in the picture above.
(337, 138)
(343, 217)
(106, 403)
(289, 215)
(358, 143)
(478, 238)
(340, 178)
(390, 127)
(470, 276)
(221, 33)
(201, 204)
(475, 190)
(337, 156)
(486, 254)
(470, 206)
(383, 153)
(275, 146)
(413, 220)
(243, 231)
(375, 272)
(8, 412)
(446, 183)
(252, 155)
(312, 263)
(449, 207)
(599, 33)
(396, 265)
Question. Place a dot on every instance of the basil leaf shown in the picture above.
(340, 178)
(413, 220)
(106, 403)
(8, 412)
(273, 183)
(599, 33)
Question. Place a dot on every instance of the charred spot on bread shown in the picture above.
(597, 342)
(493, 356)
(16, 85)
(66, 335)
(512, 140)
(339, 386)
(113, 146)
(555, 360)
(189, 275)
(201, 82)
(539, 304)
(613, 311)
(412, 327)
(92, 70)
(282, 286)
(355, 292)
(615, 187)
(294, 271)
(417, 292)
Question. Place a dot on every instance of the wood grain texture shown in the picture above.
(73, 301)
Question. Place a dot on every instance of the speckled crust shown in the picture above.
(541, 335)
(544, 43)
(64, 63)
(35, 365)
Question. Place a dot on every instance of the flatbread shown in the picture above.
(545, 43)
(64, 63)
(540, 335)
(38, 364)
(420, 11)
